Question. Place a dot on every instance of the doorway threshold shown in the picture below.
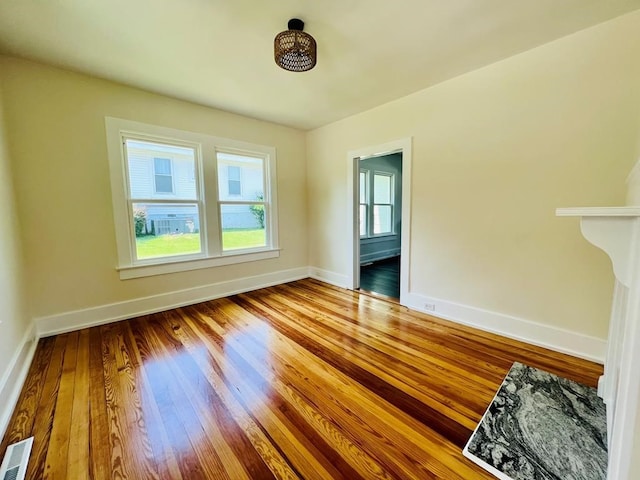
(381, 296)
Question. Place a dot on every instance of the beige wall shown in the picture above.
(56, 124)
(14, 321)
(495, 152)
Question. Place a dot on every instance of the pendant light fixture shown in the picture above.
(295, 50)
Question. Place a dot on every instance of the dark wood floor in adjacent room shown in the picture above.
(382, 277)
(302, 380)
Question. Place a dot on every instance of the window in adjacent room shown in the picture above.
(382, 203)
(184, 201)
(376, 203)
(364, 204)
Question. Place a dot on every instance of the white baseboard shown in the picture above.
(553, 338)
(333, 278)
(89, 317)
(14, 377)
(379, 255)
(547, 336)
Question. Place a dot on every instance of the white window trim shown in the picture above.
(268, 194)
(125, 135)
(370, 197)
(207, 147)
(392, 179)
(367, 200)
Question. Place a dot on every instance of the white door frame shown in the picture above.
(353, 227)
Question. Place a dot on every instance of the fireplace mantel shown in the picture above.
(616, 230)
(611, 229)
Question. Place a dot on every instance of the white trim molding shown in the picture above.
(139, 271)
(547, 336)
(534, 333)
(403, 146)
(336, 279)
(113, 312)
(14, 377)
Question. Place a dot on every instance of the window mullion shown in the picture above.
(210, 195)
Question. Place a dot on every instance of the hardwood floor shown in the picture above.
(302, 380)
(382, 277)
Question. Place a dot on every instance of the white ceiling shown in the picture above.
(219, 53)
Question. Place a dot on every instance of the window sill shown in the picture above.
(139, 271)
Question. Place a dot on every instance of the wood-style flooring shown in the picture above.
(382, 277)
(302, 380)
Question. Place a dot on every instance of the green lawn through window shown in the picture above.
(186, 243)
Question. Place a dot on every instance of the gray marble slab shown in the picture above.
(542, 427)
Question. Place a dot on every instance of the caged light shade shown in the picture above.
(295, 50)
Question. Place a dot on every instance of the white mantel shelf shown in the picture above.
(613, 230)
(616, 231)
(598, 212)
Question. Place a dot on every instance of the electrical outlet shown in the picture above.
(430, 307)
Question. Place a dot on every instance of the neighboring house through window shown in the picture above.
(195, 227)
(234, 184)
(162, 175)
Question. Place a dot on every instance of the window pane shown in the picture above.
(363, 220)
(164, 184)
(381, 189)
(162, 166)
(240, 177)
(157, 170)
(243, 226)
(235, 187)
(234, 173)
(165, 229)
(381, 219)
(363, 187)
(234, 184)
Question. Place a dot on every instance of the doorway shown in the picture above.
(377, 220)
(380, 224)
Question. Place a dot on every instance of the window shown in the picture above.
(376, 204)
(162, 175)
(364, 204)
(184, 201)
(242, 219)
(161, 228)
(382, 203)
